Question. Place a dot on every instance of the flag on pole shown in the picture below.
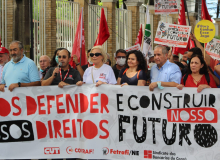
(147, 35)
(103, 30)
(204, 12)
(79, 43)
(181, 21)
(191, 43)
(139, 37)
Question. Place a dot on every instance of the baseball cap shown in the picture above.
(3, 50)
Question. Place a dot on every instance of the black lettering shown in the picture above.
(119, 102)
(178, 101)
(129, 104)
(198, 99)
(211, 100)
(144, 101)
(165, 98)
(121, 119)
(144, 131)
(173, 138)
(186, 100)
(184, 129)
(154, 100)
(153, 127)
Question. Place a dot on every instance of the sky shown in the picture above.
(212, 7)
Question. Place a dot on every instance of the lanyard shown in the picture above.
(65, 75)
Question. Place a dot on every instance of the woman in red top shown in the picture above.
(197, 71)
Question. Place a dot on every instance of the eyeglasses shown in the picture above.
(64, 57)
(96, 54)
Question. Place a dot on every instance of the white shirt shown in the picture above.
(1, 70)
(104, 74)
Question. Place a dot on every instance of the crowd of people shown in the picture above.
(132, 68)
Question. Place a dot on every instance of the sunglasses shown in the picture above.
(96, 54)
(64, 57)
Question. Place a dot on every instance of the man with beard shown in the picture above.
(4, 57)
(20, 71)
(62, 75)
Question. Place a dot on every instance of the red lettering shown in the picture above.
(5, 108)
(57, 127)
(104, 102)
(90, 130)
(31, 105)
(49, 106)
(41, 130)
(50, 129)
(41, 105)
(92, 103)
(69, 100)
(84, 103)
(74, 128)
(80, 124)
(103, 129)
(59, 111)
(16, 106)
(65, 128)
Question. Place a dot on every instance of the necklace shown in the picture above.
(197, 81)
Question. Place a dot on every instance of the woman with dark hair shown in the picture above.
(134, 71)
(197, 75)
(54, 62)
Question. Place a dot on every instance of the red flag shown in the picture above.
(103, 30)
(181, 21)
(79, 43)
(191, 43)
(139, 37)
(204, 12)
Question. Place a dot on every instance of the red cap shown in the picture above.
(3, 50)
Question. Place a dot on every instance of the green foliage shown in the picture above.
(217, 37)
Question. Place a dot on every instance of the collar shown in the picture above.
(164, 65)
(21, 61)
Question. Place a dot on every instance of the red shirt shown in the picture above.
(190, 81)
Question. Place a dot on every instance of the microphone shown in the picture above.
(60, 65)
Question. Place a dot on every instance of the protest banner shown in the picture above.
(166, 7)
(204, 31)
(172, 35)
(135, 47)
(213, 48)
(109, 122)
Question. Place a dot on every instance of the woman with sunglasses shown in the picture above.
(134, 71)
(99, 73)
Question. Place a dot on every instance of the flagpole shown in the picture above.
(187, 16)
(81, 37)
(187, 11)
(144, 27)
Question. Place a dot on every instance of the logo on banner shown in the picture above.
(148, 154)
(106, 151)
(84, 151)
(69, 150)
(102, 76)
(51, 150)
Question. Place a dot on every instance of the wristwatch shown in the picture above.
(77, 64)
(19, 84)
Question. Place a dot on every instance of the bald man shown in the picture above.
(44, 65)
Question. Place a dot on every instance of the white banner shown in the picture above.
(166, 7)
(172, 35)
(213, 48)
(109, 122)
